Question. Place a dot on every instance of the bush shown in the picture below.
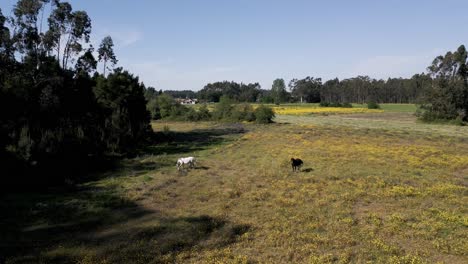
(336, 104)
(191, 114)
(324, 104)
(204, 113)
(165, 103)
(178, 111)
(267, 100)
(347, 105)
(223, 109)
(437, 118)
(153, 107)
(264, 114)
(243, 112)
(373, 105)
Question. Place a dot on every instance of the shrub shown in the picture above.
(347, 105)
(437, 118)
(243, 112)
(373, 105)
(267, 100)
(153, 108)
(223, 109)
(178, 111)
(336, 104)
(204, 113)
(324, 104)
(191, 114)
(264, 114)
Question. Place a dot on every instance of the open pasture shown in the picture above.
(374, 187)
(302, 110)
(316, 109)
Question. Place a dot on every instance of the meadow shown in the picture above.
(375, 187)
(314, 108)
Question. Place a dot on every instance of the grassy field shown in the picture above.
(304, 109)
(375, 187)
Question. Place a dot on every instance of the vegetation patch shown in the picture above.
(306, 110)
(362, 195)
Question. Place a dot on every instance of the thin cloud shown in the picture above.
(162, 73)
(385, 66)
(122, 38)
(127, 38)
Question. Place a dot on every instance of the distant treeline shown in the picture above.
(360, 89)
(442, 92)
(181, 94)
(59, 116)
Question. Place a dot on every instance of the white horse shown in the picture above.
(190, 161)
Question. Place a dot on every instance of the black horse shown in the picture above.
(296, 164)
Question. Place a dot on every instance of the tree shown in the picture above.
(121, 95)
(86, 63)
(164, 103)
(223, 109)
(212, 92)
(6, 49)
(278, 91)
(448, 98)
(106, 52)
(181, 94)
(307, 89)
(25, 22)
(54, 115)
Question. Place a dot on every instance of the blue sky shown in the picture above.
(176, 44)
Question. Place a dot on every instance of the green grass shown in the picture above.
(378, 188)
(408, 108)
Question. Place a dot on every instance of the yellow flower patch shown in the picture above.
(322, 110)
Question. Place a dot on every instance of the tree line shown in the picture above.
(59, 115)
(441, 92)
(360, 89)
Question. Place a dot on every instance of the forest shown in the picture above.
(57, 110)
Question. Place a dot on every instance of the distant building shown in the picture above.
(187, 101)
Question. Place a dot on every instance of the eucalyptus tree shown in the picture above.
(106, 53)
(6, 49)
(25, 23)
(86, 63)
(307, 89)
(448, 98)
(278, 91)
(67, 28)
(54, 115)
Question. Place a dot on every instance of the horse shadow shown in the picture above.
(307, 170)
